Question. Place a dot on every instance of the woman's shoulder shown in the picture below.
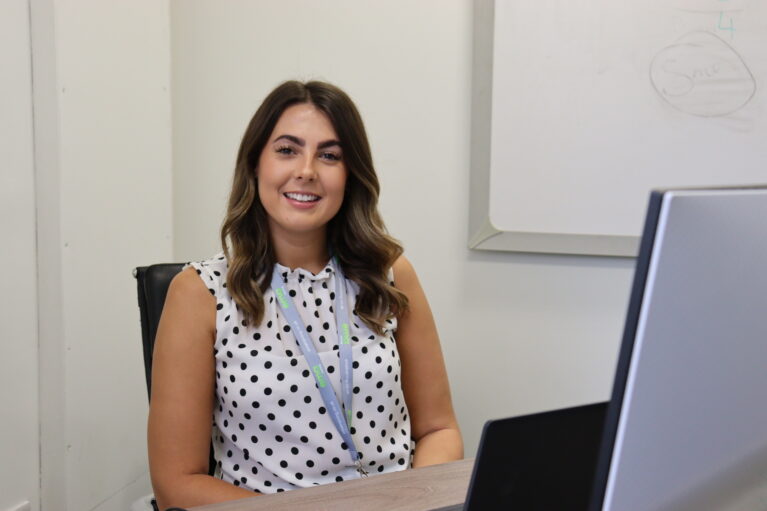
(212, 272)
(402, 272)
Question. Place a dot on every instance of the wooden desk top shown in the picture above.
(417, 489)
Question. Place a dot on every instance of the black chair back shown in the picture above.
(153, 282)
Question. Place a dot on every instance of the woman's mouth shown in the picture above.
(302, 197)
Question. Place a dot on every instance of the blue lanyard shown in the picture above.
(341, 421)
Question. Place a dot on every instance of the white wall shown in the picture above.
(19, 467)
(521, 332)
(103, 166)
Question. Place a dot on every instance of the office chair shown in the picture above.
(153, 282)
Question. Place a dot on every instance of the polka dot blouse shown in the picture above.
(271, 429)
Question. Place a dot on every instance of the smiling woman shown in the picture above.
(308, 343)
(301, 178)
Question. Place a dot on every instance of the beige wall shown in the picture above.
(521, 332)
(102, 159)
(18, 300)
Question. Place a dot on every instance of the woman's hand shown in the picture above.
(183, 394)
(424, 378)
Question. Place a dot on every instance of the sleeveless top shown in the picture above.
(271, 431)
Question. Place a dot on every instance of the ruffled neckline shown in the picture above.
(301, 274)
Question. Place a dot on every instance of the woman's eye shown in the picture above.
(330, 156)
(285, 150)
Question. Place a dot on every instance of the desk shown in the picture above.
(417, 489)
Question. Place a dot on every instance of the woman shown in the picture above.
(251, 337)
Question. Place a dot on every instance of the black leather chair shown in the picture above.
(153, 282)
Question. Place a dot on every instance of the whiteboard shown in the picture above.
(580, 108)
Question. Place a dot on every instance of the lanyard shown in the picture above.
(341, 421)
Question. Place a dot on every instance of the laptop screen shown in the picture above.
(543, 461)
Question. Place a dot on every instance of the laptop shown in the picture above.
(542, 461)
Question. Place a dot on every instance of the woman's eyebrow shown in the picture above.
(328, 143)
(295, 140)
(301, 142)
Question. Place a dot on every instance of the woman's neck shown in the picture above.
(309, 251)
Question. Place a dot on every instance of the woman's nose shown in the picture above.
(305, 170)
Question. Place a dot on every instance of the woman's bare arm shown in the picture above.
(424, 378)
(183, 388)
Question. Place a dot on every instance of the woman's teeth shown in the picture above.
(302, 197)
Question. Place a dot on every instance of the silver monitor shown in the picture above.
(686, 427)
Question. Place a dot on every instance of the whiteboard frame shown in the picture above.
(483, 235)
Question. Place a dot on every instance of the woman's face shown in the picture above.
(301, 172)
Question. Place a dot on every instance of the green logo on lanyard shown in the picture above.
(345, 334)
(281, 298)
(319, 376)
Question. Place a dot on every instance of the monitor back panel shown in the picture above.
(692, 429)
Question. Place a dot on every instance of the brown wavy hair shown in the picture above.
(356, 235)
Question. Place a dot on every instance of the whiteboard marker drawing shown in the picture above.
(700, 74)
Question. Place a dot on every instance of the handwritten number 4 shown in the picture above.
(731, 27)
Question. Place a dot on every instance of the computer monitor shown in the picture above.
(686, 427)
